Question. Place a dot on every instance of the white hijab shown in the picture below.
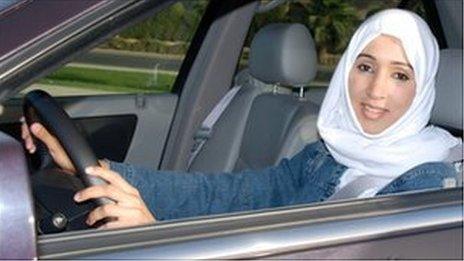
(408, 142)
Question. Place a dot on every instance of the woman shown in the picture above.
(374, 140)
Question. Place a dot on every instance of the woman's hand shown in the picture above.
(128, 208)
(53, 145)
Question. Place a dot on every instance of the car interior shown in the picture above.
(260, 126)
(219, 116)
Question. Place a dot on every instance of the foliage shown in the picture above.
(169, 31)
(331, 22)
(102, 79)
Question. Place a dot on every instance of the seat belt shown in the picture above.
(204, 133)
(362, 183)
(356, 187)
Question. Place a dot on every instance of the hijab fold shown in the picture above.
(406, 143)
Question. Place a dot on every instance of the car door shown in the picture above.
(415, 225)
(410, 225)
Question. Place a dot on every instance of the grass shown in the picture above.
(110, 80)
(122, 81)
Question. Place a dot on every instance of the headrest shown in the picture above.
(283, 54)
(447, 110)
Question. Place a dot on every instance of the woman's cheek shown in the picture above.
(402, 99)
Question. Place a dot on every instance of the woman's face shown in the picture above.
(381, 84)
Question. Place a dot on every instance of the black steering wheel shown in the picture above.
(39, 106)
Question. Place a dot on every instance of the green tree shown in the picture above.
(169, 31)
(332, 23)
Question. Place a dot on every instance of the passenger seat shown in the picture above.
(447, 111)
(259, 128)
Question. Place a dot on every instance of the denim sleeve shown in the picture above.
(171, 194)
(425, 176)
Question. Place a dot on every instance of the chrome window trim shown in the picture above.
(266, 243)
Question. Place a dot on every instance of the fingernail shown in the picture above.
(77, 197)
(89, 170)
(35, 127)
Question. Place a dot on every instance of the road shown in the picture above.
(124, 61)
(65, 90)
(132, 60)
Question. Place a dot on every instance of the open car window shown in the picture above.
(121, 92)
(144, 58)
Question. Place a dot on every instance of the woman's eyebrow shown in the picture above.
(404, 64)
(393, 62)
(366, 55)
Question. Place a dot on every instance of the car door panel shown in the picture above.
(397, 226)
(131, 128)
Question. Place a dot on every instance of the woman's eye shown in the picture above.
(401, 76)
(365, 68)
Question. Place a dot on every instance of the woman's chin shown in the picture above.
(373, 124)
(372, 128)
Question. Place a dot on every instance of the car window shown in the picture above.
(331, 24)
(144, 58)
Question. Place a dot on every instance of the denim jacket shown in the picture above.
(310, 176)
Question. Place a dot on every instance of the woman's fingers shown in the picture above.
(26, 136)
(41, 133)
(108, 210)
(113, 178)
(53, 145)
(128, 208)
(106, 191)
(119, 216)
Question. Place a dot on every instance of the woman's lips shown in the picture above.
(372, 112)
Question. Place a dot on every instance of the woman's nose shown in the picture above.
(377, 89)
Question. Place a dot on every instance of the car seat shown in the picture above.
(259, 127)
(447, 111)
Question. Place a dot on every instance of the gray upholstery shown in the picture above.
(221, 150)
(245, 78)
(259, 128)
(447, 110)
(283, 54)
(274, 123)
